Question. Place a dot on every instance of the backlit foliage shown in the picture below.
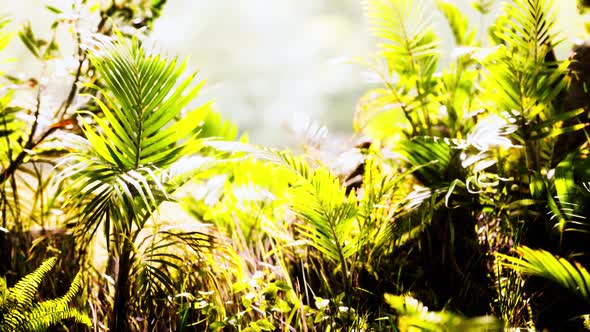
(424, 221)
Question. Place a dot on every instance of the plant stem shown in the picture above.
(119, 320)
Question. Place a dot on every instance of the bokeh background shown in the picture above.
(267, 60)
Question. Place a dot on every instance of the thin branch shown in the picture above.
(16, 162)
(62, 111)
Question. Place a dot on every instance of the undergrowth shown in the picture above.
(458, 204)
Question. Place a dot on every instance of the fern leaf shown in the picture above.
(22, 313)
(47, 314)
(23, 293)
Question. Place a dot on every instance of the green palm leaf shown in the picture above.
(328, 213)
(457, 21)
(163, 257)
(5, 36)
(410, 44)
(529, 28)
(570, 275)
(119, 171)
(410, 50)
(145, 94)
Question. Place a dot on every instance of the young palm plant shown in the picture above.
(125, 167)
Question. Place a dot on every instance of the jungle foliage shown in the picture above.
(459, 204)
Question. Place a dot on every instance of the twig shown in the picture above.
(62, 111)
(16, 162)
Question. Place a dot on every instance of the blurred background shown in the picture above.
(267, 60)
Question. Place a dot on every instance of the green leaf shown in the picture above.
(482, 6)
(27, 36)
(413, 314)
(328, 214)
(22, 312)
(265, 325)
(572, 276)
(457, 21)
(53, 9)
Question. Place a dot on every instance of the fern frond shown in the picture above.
(23, 293)
(45, 315)
(21, 312)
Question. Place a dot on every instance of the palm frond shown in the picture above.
(529, 31)
(307, 132)
(409, 43)
(145, 93)
(410, 50)
(12, 130)
(386, 207)
(435, 154)
(120, 162)
(161, 257)
(458, 22)
(382, 114)
(329, 214)
(538, 262)
(297, 165)
(567, 204)
(523, 83)
(214, 126)
(483, 6)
